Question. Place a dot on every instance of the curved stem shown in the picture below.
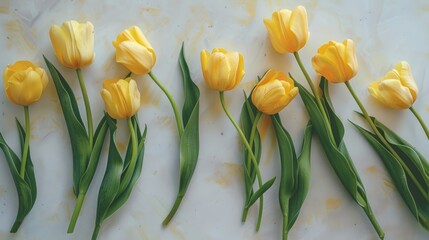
(285, 227)
(384, 141)
(249, 149)
(87, 107)
(173, 210)
(172, 102)
(76, 212)
(419, 118)
(130, 169)
(26, 142)
(374, 222)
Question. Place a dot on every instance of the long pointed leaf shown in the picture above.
(261, 191)
(78, 137)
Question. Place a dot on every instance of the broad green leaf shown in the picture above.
(122, 197)
(78, 137)
(261, 190)
(288, 164)
(189, 141)
(397, 174)
(339, 162)
(111, 181)
(99, 137)
(25, 198)
(302, 178)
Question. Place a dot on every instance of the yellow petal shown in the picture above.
(406, 78)
(137, 58)
(392, 94)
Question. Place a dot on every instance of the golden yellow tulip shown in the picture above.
(134, 51)
(73, 43)
(24, 82)
(274, 92)
(222, 70)
(397, 88)
(288, 30)
(121, 97)
(336, 61)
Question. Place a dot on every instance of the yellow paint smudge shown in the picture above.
(226, 174)
(121, 147)
(271, 149)
(372, 169)
(17, 36)
(388, 185)
(250, 7)
(264, 125)
(53, 218)
(168, 122)
(333, 203)
(152, 11)
(175, 231)
(249, 85)
(148, 97)
(4, 9)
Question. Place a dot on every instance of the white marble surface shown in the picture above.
(384, 31)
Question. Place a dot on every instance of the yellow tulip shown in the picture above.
(24, 82)
(336, 61)
(288, 30)
(134, 51)
(73, 43)
(397, 88)
(121, 97)
(222, 70)
(274, 92)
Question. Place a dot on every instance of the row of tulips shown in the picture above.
(223, 70)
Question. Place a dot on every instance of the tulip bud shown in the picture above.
(73, 43)
(134, 51)
(288, 30)
(222, 70)
(336, 61)
(24, 82)
(397, 88)
(121, 97)
(274, 92)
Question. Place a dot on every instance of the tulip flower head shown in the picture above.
(336, 61)
(288, 30)
(397, 88)
(121, 97)
(24, 82)
(222, 70)
(73, 43)
(134, 51)
(274, 92)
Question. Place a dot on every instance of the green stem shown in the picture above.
(315, 93)
(173, 210)
(285, 227)
(249, 149)
(419, 118)
(96, 231)
(374, 222)
(384, 141)
(26, 142)
(130, 169)
(172, 102)
(248, 162)
(87, 107)
(76, 211)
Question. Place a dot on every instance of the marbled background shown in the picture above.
(384, 31)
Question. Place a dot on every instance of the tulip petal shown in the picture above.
(298, 26)
(391, 93)
(406, 78)
(137, 58)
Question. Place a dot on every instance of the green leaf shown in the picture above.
(122, 197)
(302, 178)
(247, 120)
(26, 190)
(260, 191)
(78, 137)
(111, 181)
(99, 137)
(189, 141)
(288, 163)
(397, 173)
(340, 163)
